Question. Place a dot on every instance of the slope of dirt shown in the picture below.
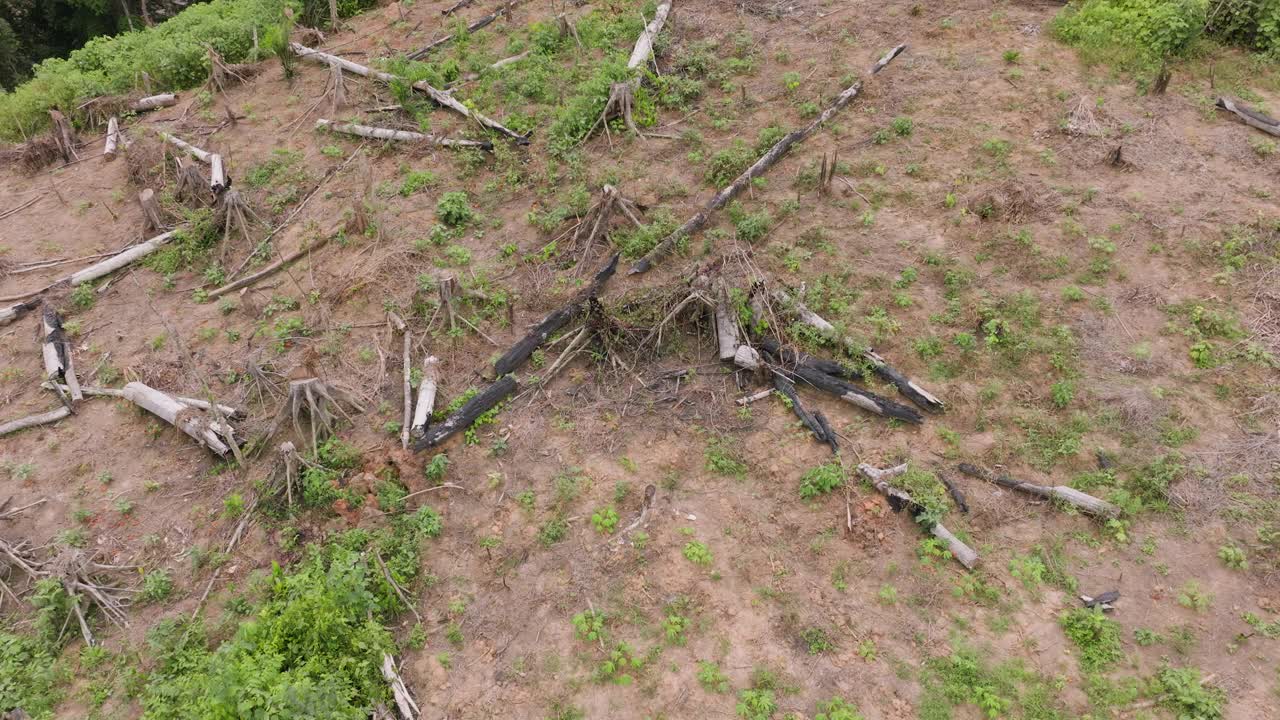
(997, 204)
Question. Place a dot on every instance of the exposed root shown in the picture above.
(621, 101)
(193, 189)
(321, 404)
(95, 112)
(581, 240)
(145, 162)
(38, 153)
(1014, 201)
(221, 74)
(1081, 122)
(77, 572)
(233, 213)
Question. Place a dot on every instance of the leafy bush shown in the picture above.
(727, 164)
(314, 648)
(454, 209)
(1156, 29)
(821, 480)
(837, 709)
(1187, 698)
(697, 553)
(27, 676)
(757, 704)
(156, 585)
(172, 53)
(1097, 636)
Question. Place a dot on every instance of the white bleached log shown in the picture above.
(154, 101)
(115, 262)
(404, 701)
(426, 396)
(57, 352)
(726, 327)
(30, 421)
(217, 176)
(180, 415)
(644, 44)
(378, 133)
(91, 391)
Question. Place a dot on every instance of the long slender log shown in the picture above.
(477, 25)
(830, 434)
(31, 421)
(271, 269)
(438, 96)
(113, 139)
(179, 415)
(855, 395)
(879, 478)
(908, 387)
(1083, 502)
(520, 352)
(766, 161)
(407, 385)
(426, 396)
(468, 413)
(91, 391)
(378, 133)
(115, 262)
(1252, 118)
(154, 101)
(456, 7)
(399, 691)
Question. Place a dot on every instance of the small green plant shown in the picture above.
(697, 553)
(1012, 57)
(817, 640)
(1234, 557)
(887, 595)
(553, 531)
(588, 626)
(722, 458)
(1194, 597)
(902, 126)
(712, 678)
(837, 709)
(233, 505)
(419, 179)
(674, 627)
(434, 471)
(156, 585)
(821, 480)
(1095, 635)
(756, 704)
(1187, 697)
(454, 209)
(605, 520)
(84, 296)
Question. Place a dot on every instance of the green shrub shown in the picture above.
(454, 209)
(727, 164)
(1154, 28)
(1187, 698)
(156, 585)
(756, 704)
(821, 480)
(837, 709)
(27, 676)
(1096, 635)
(172, 53)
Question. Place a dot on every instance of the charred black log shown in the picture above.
(795, 358)
(954, 491)
(467, 414)
(830, 434)
(520, 352)
(1082, 501)
(787, 388)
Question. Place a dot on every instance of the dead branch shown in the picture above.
(377, 133)
(963, 554)
(478, 24)
(766, 161)
(1082, 501)
(271, 269)
(30, 421)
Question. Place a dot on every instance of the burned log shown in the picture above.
(1083, 502)
(788, 389)
(482, 403)
(520, 352)
(1251, 117)
(766, 161)
(854, 395)
(908, 387)
(57, 354)
(963, 554)
(954, 491)
(798, 358)
(829, 433)
(14, 312)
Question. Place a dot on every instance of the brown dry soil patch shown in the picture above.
(994, 199)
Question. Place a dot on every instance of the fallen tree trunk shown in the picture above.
(179, 415)
(426, 396)
(766, 161)
(378, 133)
(1252, 118)
(14, 312)
(115, 262)
(154, 101)
(399, 691)
(113, 139)
(477, 25)
(855, 395)
(407, 417)
(440, 97)
(217, 176)
(57, 353)
(963, 554)
(90, 391)
(1083, 502)
(31, 421)
(644, 44)
(520, 352)
(468, 413)
(269, 270)
(908, 387)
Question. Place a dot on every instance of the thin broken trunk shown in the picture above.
(477, 25)
(758, 168)
(31, 421)
(788, 389)
(271, 269)
(378, 133)
(63, 136)
(468, 413)
(152, 215)
(520, 352)
(217, 176)
(963, 554)
(1083, 502)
